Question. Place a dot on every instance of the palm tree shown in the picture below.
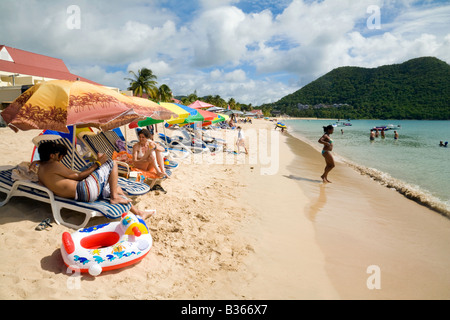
(165, 93)
(190, 99)
(143, 82)
(232, 103)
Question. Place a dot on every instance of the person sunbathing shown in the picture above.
(147, 154)
(99, 181)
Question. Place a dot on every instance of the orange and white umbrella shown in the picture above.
(56, 104)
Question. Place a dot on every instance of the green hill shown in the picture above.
(416, 89)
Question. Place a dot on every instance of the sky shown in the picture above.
(255, 51)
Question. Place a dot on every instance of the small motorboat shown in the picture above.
(342, 124)
(387, 127)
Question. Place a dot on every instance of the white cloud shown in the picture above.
(189, 45)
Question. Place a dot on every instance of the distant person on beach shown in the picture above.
(241, 140)
(382, 134)
(395, 135)
(326, 152)
(99, 181)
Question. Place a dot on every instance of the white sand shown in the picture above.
(225, 231)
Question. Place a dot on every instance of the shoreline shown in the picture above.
(359, 223)
(229, 231)
(421, 196)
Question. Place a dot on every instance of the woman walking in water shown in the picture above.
(326, 152)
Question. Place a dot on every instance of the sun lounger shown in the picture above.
(33, 190)
(177, 143)
(98, 143)
(112, 137)
(209, 142)
(131, 188)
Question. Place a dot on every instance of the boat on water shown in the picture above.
(388, 127)
(342, 124)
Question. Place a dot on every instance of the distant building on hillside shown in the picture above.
(276, 113)
(19, 70)
(258, 113)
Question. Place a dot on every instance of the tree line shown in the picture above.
(144, 82)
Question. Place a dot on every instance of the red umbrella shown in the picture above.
(200, 104)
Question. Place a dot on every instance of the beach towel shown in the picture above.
(23, 173)
(142, 175)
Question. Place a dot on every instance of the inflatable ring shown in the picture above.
(108, 246)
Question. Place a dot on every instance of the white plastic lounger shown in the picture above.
(38, 192)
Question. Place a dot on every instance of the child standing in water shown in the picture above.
(326, 152)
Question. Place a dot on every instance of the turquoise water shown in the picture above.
(414, 164)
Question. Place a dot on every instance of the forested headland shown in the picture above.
(416, 89)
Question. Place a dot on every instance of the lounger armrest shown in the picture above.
(124, 167)
(35, 185)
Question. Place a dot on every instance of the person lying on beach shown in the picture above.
(326, 152)
(147, 154)
(99, 181)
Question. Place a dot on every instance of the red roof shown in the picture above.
(33, 64)
(258, 112)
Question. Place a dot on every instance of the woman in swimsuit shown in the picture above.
(147, 154)
(326, 152)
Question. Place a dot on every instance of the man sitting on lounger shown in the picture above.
(99, 181)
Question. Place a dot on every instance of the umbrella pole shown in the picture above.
(125, 136)
(165, 136)
(74, 145)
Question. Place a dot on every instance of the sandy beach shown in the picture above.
(237, 230)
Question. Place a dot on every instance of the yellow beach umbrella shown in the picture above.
(182, 114)
(224, 116)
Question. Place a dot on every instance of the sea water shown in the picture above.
(414, 164)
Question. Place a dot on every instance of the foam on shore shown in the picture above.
(412, 192)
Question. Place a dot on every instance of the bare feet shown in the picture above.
(144, 214)
(325, 179)
(162, 175)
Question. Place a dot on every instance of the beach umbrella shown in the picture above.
(174, 110)
(200, 104)
(181, 113)
(215, 109)
(194, 115)
(207, 115)
(224, 116)
(153, 110)
(230, 112)
(56, 104)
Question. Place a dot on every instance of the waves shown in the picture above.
(412, 192)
